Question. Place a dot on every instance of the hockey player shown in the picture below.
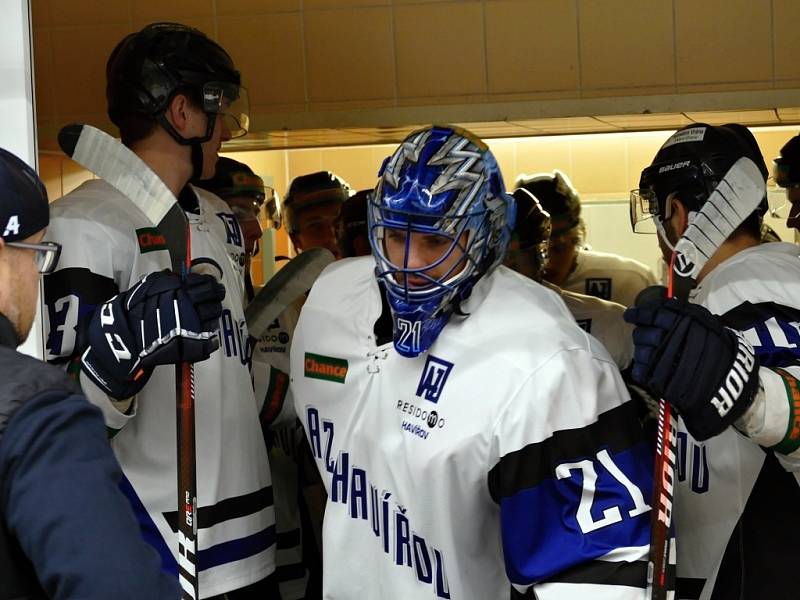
(528, 255)
(60, 507)
(174, 94)
(438, 395)
(787, 175)
(311, 207)
(351, 226)
(572, 267)
(737, 500)
(245, 193)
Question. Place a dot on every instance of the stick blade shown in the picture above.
(68, 138)
(286, 286)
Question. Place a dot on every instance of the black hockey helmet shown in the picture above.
(352, 221)
(528, 249)
(314, 189)
(690, 165)
(786, 167)
(558, 197)
(149, 67)
(234, 179)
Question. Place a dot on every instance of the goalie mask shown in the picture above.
(439, 220)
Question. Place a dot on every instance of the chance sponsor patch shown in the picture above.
(150, 240)
(328, 368)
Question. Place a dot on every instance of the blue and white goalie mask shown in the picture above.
(439, 220)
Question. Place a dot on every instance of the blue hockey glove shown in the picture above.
(685, 355)
(160, 320)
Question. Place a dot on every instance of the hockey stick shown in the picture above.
(288, 284)
(732, 201)
(120, 167)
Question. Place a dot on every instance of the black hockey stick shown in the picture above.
(287, 285)
(732, 201)
(120, 167)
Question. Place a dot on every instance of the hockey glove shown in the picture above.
(160, 320)
(685, 355)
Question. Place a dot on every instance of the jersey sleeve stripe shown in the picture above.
(630, 574)
(616, 430)
(230, 508)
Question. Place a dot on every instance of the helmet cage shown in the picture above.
(453, 228)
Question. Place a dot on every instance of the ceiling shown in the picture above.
(357, 136)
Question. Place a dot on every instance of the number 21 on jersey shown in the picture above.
(588, 473)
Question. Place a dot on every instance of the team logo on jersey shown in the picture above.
(150, 240)
(232, 230)
(599, 287)
(434, 376)
(327, 368)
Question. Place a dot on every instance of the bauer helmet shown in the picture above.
(690, 165)
(441, 181)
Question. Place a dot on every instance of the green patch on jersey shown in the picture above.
(150, 240)
(328, 368)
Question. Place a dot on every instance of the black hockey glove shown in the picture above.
(685, 355)
(160, 320)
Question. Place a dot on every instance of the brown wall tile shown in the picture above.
(89, 12)
(349, 54)
(171, 10)
(79, 66)
(255, 7)
(723, 41)
(40, 13)
(268, 51)
(785, 22)
(324, 4)
(634, 48)
(440, 49)
(524, 57)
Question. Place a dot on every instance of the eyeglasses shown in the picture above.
(47, 254)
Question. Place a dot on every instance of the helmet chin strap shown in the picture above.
(662, 233)
(196, 143)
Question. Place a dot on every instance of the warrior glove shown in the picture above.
(161, 320)
(685, 355)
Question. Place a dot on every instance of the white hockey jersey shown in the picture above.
(732, 493)
(282, 433)
(508, 452)
(609, 276)
(602, 319)
(108, 245)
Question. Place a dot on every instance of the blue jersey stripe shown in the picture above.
(239, 549)
(540, 529)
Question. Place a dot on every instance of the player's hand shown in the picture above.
(160, 320)
(685, 355)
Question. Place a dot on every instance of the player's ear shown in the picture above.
(680, 215)
(178, 112)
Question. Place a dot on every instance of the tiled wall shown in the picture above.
(603, 167)
(321, 57)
